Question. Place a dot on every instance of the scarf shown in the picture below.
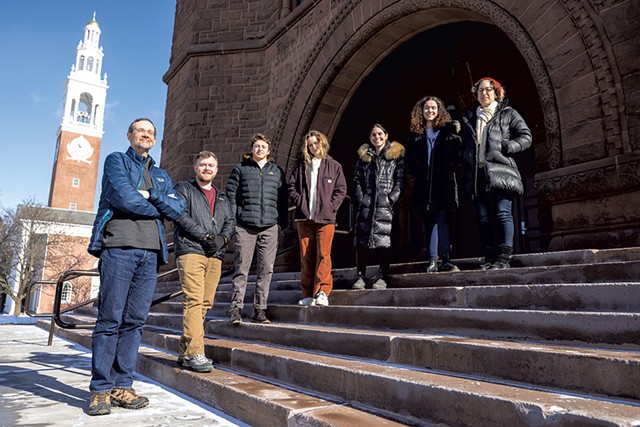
(484, 115)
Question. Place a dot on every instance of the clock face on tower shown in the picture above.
(79, 149)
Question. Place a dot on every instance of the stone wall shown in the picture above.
(241, 67)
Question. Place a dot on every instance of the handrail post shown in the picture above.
(52, 328)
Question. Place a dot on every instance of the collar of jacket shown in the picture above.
(248, 159)
(193, 182)
(134, 155)
(391, 151)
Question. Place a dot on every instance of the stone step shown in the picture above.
(602, 369)
(576, 297)
(250, 400)
(627, 271)
(598, 368)
(590, 297)
(420, 395)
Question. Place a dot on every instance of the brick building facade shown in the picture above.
(570, 67)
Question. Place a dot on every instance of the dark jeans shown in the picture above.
(438, 221)
(495, 207)
(127, 283)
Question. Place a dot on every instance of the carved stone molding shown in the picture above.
(594, 37)
(614, 177)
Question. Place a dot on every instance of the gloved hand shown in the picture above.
(213, 243)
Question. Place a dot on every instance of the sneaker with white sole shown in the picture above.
(322, 299)
(199, 363)
(308, 301)
(380, 284)
(359, 284)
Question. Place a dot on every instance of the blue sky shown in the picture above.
(38, 40)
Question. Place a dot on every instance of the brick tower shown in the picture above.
(77, 156)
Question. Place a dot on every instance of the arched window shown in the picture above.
(81, 63)
(67, 292)
(97, 66)
(90, 63)
(73, 108)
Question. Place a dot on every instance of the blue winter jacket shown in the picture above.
(121, 180)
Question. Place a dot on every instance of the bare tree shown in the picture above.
(34, 245)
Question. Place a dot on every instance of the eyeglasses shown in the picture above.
(147, 131)
(485, 90)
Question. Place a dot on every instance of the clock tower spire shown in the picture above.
(75, 169)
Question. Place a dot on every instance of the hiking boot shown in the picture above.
(235, 317)
(260, 317)
(489, 258)
(432, 267)
(503, 259)
(100, 403)
(322, 299)
(379, 284)
(308, 301)
(199, 363)
(184, 361)
(447, 266)
(127, 398)
(359, 284)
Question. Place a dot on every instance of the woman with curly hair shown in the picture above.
(434, 147)
(316, 188)
(491, 136)
(379, 182)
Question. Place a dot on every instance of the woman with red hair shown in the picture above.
(491, 136)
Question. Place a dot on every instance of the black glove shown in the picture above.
(213, 243)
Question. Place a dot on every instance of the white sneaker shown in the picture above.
(380, 284)
(308, 301)
(321, 299)
(359, 284)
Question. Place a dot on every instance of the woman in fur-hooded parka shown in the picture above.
(379, 181)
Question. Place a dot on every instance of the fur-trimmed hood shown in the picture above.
(391, 151)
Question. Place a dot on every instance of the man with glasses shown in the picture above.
(129, 238)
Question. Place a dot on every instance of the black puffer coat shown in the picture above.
(196, 221)
(258, 196)
(507, 133)
(436, 185)
(379, 181)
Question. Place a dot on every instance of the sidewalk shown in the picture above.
(48, 386)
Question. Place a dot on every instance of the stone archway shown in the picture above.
(343, 58)
(337, 75)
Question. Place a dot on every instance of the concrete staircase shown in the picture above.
(554, 341)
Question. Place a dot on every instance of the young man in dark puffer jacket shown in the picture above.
(200, 236)
(258, 194)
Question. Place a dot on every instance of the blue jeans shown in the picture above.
(498, 203)
(127, 284)
(437, 225)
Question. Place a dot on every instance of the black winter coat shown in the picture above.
(379, 181)
(196, 222)
(435, 184)
(258, 196)
(507, 133)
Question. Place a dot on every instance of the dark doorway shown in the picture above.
(444, 62)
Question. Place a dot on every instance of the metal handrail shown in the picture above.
(56, 315)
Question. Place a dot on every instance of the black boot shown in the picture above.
(489, 258)
(502, 260)
(432, 267)
(447, 265)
